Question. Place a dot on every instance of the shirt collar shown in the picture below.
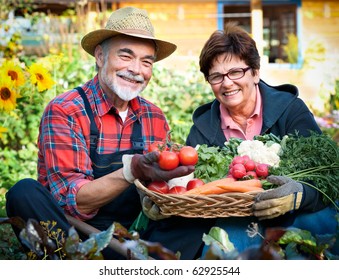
(258, 104)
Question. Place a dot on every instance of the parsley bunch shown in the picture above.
(313, 161)
(213, 163)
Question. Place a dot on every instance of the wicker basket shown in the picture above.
(202, 206)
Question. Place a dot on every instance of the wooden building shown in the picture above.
(189, 23)
(298, 39)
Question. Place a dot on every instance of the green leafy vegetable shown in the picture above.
(313, 161)
(267, 138)
(301, 243)
(213, 163)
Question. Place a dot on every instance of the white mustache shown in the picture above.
(130, 76)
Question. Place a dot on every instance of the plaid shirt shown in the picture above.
(64, 163)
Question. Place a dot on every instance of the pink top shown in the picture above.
(254, 123)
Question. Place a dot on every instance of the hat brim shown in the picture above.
(94, 38)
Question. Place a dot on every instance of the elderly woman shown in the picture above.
(246, 106)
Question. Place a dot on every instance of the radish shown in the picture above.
(252, 174)
(262, 170)
(249, 165)
(238, 159)
(238, 171)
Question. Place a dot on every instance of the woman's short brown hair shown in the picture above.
(233, 41)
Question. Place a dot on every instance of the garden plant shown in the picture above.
(28, 83)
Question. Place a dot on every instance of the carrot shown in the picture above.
(226, 185)
(211, 187)
(243, 186)
(255, 183)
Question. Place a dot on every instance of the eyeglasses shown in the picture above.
(233, 74)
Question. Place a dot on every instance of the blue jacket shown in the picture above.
(283, 113)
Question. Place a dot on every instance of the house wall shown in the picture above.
(189, 24)
(319, 25)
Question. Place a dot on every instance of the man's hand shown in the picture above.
(145, 167)
(275, 202)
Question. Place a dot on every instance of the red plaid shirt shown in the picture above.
(64, 163)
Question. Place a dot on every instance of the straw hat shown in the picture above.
(129, 21)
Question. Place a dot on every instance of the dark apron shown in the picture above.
(175, 233)
(126, 207)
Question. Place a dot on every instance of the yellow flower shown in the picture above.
(14, 71)
(40, 77)
(8, 95)
(2, 131)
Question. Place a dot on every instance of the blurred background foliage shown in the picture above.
(178, 93)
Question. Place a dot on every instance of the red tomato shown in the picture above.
(158, 186)
(175, 147)
(188, 155)
(194, 183)
(157, 146)
(262, 170)
(177, 190)
(168, 160)
(249, 165)
(238, 171)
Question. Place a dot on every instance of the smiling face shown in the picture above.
(238, 96)
(125, 67)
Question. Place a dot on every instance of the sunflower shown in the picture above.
(2, 131)
(8, 95)
(40, 77)
(14, 71)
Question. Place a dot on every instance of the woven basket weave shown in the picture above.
(202, 206)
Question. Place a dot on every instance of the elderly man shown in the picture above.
(92, 139)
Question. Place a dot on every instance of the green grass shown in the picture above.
(10, 248)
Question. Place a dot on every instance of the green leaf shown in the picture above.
(312, 160)
(140, 223)
(218, 237)
(103, 238)
(213, 163)
(298, 236)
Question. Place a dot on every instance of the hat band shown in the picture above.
(136, 32)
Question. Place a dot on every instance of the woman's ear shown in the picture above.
(256, 76)
(99, 56)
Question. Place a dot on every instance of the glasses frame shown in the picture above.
(244, 70)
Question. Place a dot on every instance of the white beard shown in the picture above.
(124, 93)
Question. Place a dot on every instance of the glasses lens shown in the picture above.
(233, 74)
(236, 74)
(215, 79)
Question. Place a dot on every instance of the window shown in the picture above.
(280, 21)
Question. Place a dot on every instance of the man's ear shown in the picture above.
(99, 56)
